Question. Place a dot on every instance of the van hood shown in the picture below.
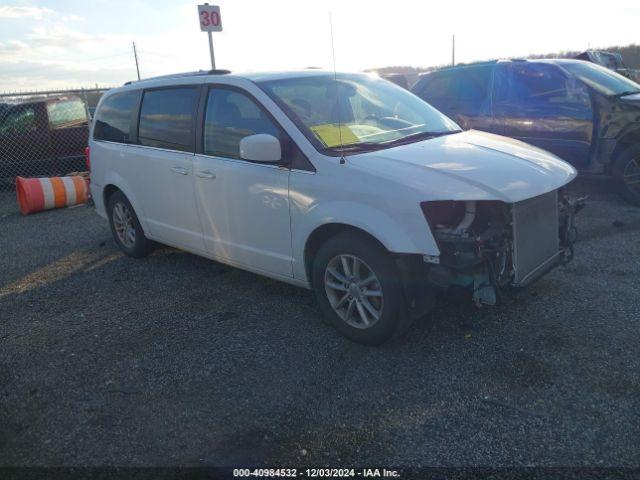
(470, 165)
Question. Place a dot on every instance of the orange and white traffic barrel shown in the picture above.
(36, 194)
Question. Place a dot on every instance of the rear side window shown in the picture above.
(469, 86)
(19, 121)
(440, 86)
(66, 113)
(113, 118)
(475, 84)
(167, 118)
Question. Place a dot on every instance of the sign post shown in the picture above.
(210, 21)
(213, 57)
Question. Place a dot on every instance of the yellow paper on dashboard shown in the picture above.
(330, 134)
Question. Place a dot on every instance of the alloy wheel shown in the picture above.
(123, 224)
(354, 291)
(631, 175)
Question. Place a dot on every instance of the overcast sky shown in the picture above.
(69, 43)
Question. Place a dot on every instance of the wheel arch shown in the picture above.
(411, 269)
(107, 191)
(625, 143)
(399, 231)
(325, 231)
(115, 183)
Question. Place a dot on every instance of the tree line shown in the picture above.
(630, 56)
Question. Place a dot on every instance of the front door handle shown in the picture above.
(206, 174)
(180, 170)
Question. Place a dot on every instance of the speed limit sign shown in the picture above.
(210, 20)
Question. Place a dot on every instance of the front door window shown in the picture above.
(229, 117)
(541, 104)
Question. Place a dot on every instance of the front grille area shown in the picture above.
(535, 234)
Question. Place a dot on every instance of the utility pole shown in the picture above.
(135, 55)
(453, 51)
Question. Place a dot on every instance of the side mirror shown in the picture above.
(261, 147)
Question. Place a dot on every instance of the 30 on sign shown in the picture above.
(210, 20)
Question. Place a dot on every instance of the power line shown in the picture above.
(145, 51)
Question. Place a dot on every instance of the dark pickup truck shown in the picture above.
(43, 137)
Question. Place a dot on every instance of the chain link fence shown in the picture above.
(44, 133)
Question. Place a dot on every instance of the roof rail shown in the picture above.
(183, 74)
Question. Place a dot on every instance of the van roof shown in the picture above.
(252, 76)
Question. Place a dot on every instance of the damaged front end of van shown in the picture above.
(487, 247)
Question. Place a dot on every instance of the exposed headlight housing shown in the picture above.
(466, 218)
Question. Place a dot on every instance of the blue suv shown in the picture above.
(582, 112)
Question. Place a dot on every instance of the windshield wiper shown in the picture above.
(372, 146)
(356, 147)
(416, 137)
(628, 92)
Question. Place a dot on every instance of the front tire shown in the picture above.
(358, 289)
(626, 174)
(125, 227)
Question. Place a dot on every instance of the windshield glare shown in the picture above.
(354, 110)
(601, 79)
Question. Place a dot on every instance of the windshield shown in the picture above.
(355, 112)
(601, 79)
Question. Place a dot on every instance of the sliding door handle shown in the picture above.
(180, 170)
(206, 174)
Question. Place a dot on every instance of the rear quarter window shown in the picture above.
(113, 118)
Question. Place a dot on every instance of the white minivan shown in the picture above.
(343, 183)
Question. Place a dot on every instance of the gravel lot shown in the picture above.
(177, 360)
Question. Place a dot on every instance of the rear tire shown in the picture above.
(125, 227)
(626, 174)
(358, 289)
